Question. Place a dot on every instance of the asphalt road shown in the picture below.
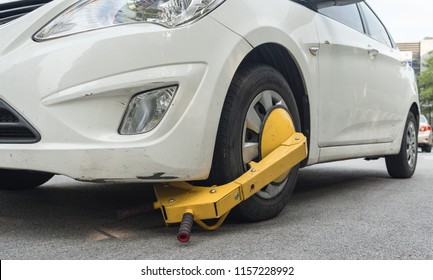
(345, 210)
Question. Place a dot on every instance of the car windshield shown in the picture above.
(423, 119)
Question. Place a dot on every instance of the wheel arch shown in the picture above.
(279, 58)
(415, 110)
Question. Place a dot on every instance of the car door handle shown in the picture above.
(373, 53)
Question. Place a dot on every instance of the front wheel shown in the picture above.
(403, 165)
(255, 91)
(22, 179)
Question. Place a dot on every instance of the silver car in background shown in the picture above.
(425, 137)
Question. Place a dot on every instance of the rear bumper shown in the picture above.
(425, 138)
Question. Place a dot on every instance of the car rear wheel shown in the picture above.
(427, 149)
(22, 179)
(254, 92)
(403, 165)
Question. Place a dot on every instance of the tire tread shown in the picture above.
(397, 165)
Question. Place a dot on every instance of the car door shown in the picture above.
(387, 86)
(354, 102)
(343, 67)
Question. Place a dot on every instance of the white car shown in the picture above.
(178, 90)
(425, 136)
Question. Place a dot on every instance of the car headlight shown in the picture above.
(88, 15)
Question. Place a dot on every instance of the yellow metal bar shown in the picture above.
(176, 199)
(215, 226)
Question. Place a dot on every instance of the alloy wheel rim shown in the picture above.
(411, 145)
(258, 109)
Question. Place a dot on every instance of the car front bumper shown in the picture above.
(75, 90)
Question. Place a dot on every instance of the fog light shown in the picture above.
(146, 110)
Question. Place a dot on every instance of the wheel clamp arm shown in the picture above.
(183, 203)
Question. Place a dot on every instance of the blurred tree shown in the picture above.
(425, 85)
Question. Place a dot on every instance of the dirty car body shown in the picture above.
(133, 91)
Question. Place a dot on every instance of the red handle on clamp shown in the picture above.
(184, 233)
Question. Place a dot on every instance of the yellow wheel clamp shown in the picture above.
(281, 149)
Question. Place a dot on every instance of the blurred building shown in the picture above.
(416, 53)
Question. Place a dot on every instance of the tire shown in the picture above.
(22, 179)
(427, 149)
(403, 165)
(255, 89)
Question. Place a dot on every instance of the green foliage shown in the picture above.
(425, 82)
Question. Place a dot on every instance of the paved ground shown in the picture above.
(344, 210)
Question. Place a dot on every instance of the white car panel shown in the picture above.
(360, 90)
(344, 64)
